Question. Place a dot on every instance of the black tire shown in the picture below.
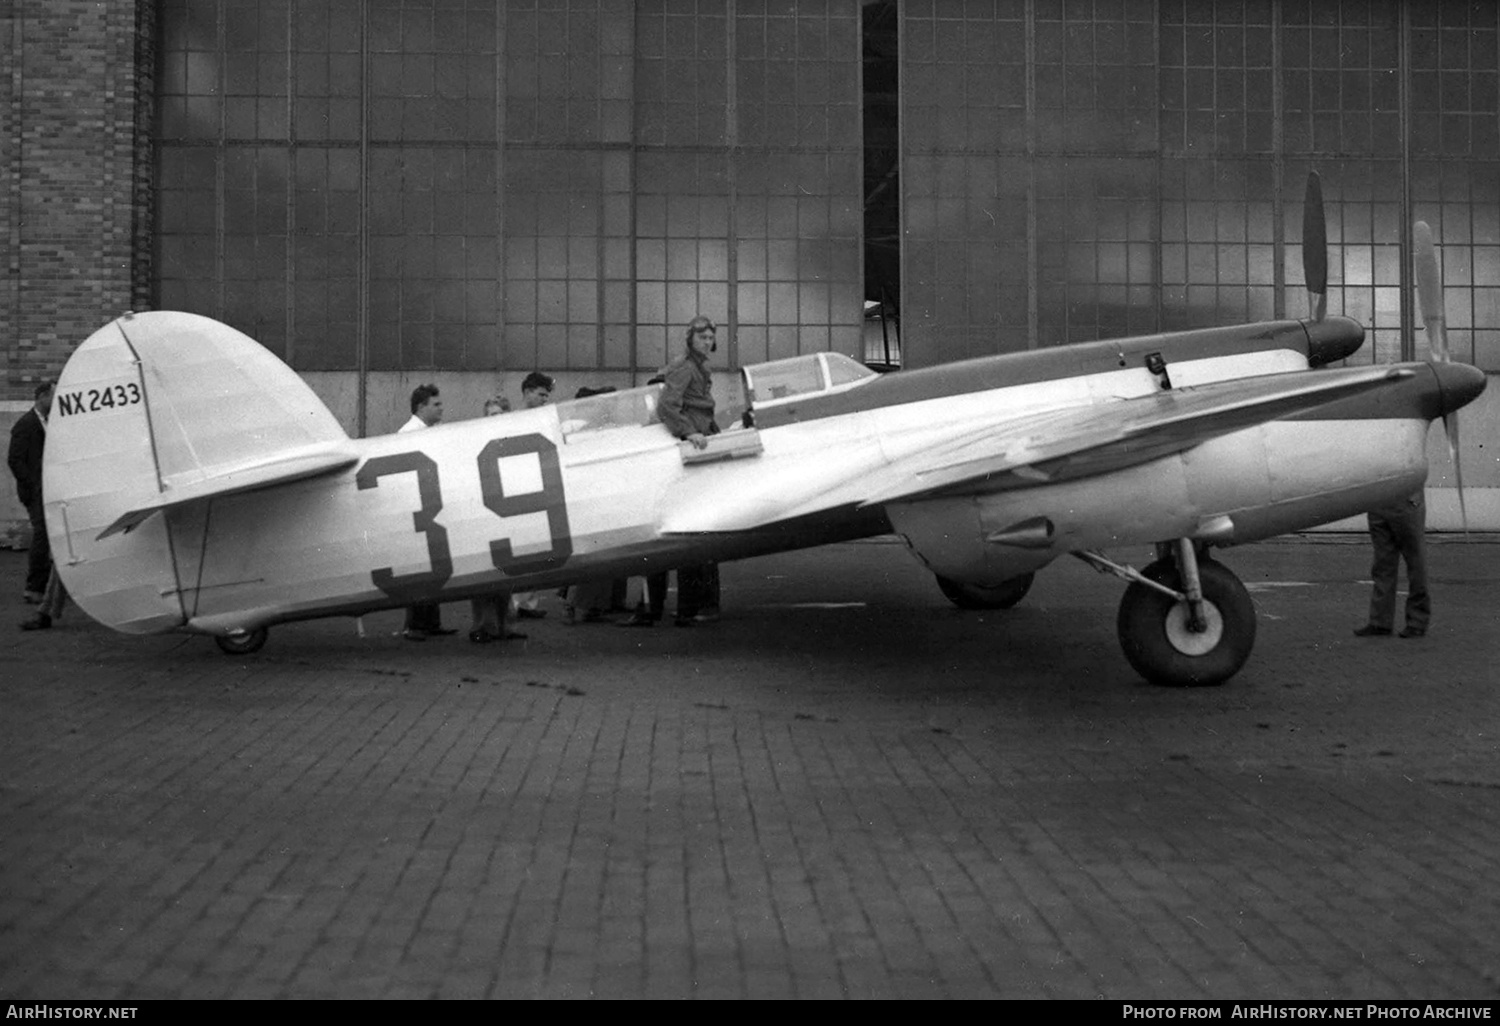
(977, 596)
(1154, 637)
(242, 644)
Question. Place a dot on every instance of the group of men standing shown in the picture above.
(491, 613)
(686, 408)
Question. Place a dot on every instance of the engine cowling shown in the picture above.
(1269, 480)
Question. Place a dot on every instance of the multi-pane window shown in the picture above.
(328, 171)
(966, 181)
(682, 188)
(1340, 73)
(1096, 262)
(431, 213)
(1455, 165)
(797, 174)
(552, 258)
(432, 184)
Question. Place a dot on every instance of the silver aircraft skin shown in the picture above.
(194, 482)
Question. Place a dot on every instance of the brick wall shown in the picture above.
(75, 101)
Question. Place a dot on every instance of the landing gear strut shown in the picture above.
(242, 642)
(1185, 620)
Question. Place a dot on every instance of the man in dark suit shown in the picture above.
(27, 437)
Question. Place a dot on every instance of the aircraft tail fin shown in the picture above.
(157, 410)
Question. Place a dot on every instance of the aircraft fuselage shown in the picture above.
(526, 501)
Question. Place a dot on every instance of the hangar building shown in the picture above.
(396, 191)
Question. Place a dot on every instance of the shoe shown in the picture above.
(480, 637)
(708, 616)
(1369, 630)
(439, 632)
(32, 597)
(637, 621)
(39, 622)
(530, 614)
(414, 635)
(1414, 632)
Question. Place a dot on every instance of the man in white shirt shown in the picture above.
(424, 620)
(426, 409)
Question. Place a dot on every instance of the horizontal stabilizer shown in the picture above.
(248, 476)
(1098, 439)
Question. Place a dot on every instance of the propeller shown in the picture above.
(1329, 339)
(1315, 248)
(1430, 298)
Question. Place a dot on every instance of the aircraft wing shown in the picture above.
(1096, 439)
(1015, 449)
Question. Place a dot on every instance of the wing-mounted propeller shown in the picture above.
(1329, 339)
(1430, 298)
(1315, 248)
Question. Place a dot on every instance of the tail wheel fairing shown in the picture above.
(1160, 645)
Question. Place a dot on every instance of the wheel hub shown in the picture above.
(1188, 641)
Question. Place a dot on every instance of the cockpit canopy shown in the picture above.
(768, 385)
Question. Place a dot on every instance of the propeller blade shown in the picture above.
(1315, 248)
(1450, 424)
(1430, 291)
(1430, 298)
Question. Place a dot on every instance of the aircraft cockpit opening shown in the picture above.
(633, 407)
(800, 377)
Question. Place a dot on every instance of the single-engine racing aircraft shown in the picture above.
(194, 482)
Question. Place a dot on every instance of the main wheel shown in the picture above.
(1157, 640)
(242, 643)
(977, 596)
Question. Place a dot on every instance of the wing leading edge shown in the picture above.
(1086, 441)
(1025, 451)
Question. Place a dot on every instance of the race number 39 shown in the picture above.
(549, 500)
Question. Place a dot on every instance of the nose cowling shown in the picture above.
(1331, 340)
(1458, 385)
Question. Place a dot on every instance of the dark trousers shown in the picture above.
(656, 584)
(39, 556)
(1396, 538)
(697, 589)
(425, 617)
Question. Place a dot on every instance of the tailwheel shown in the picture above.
(977, 596)
(242, 642)
(1163, 643)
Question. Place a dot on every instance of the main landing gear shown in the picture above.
(242, 642)
(1185, 620)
